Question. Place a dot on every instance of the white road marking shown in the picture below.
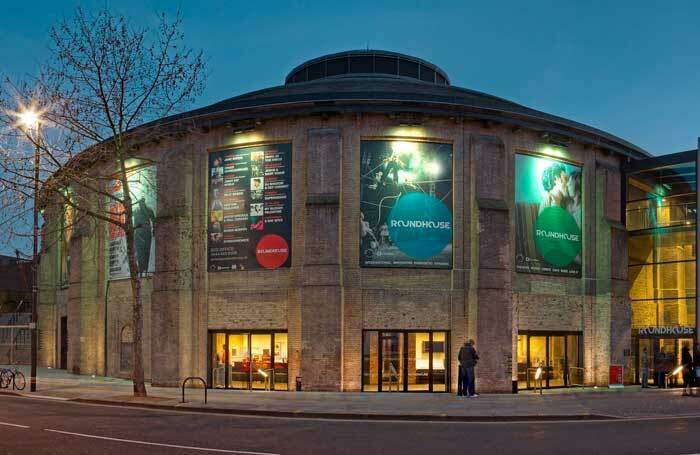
(45, 397)
(13, 425)
(174, 446)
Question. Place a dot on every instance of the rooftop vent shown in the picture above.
(367, 63)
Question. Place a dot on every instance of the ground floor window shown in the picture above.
(405, 361)
(662, 357)
(559, 354)
(248, 360)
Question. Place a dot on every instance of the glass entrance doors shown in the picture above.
(558, 354)
(249, 361)
(663, 356)
(405, 361)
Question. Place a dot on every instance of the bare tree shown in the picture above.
(106, 91)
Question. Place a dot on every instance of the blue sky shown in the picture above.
(630, 68)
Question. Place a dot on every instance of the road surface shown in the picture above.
(39, 426)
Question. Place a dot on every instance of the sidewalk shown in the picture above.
(558, 404)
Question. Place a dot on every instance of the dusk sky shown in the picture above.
(628, 67)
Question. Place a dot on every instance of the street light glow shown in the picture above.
(29, 118)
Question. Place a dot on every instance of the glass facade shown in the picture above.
(661, 215)
(249, 361)
(405, 361)
(559, 354)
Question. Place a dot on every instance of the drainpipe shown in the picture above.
(105, 342)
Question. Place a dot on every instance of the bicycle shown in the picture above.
(12, 376)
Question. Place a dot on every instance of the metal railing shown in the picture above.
(204, 384)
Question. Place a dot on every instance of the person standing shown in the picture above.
(645, 369)
(696, 364)
(659, 368)
(687, 362)
(468, 358)
(461, 380)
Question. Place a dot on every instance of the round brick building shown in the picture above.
(350, 230)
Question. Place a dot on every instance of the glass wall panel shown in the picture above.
(664, 246)
(239, 361)
(440, 359)
(522, 362)
(281, 362)
(392, 361)
(662, 182)
(574, 361)
(559, 355)
(405, 361)
(218, 360)
(661, 212)
(261, 361)
(557, 361)
(370, 362)
(538, 351)
(662, 281)
(418, 361)
(669, 312)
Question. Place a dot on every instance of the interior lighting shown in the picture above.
(678, 369)
(264, 375)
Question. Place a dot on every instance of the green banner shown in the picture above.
(548, 216)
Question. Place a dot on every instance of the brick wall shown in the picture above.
(325, 300)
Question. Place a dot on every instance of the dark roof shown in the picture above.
(368, 62)
(377, 93)
(671, 159)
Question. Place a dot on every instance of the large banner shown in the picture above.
(142, 186)
(548, 213)
(406, 204)
(250, 208)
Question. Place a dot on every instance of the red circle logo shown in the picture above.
(272, 251)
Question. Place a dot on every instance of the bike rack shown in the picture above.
(204, 383)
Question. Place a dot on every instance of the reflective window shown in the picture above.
(218, 360)
(661, 219)
(559, 356)
(405, 361)
(249, 360)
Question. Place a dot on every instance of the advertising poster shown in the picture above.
(142, 186)
(548, 211)
(406, 204)
(250, 208)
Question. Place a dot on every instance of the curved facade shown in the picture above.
(352, 229)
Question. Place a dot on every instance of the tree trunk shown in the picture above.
(137, 375)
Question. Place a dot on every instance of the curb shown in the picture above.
(349, 416)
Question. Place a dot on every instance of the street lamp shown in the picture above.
(30, 120)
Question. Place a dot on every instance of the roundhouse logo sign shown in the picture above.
(420, 225)
(272, 251)
(557, 236)
(667, 331)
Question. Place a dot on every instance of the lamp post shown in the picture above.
(29, 119)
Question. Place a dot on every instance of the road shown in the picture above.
(37, 426)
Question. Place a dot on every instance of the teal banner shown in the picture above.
(406, 204)
(548, 216)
